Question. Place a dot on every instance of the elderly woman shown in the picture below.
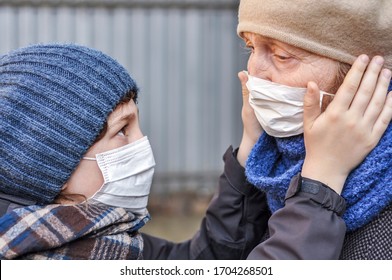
(303, 54)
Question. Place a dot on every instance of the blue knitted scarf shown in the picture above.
(273, 162)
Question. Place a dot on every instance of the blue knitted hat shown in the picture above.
(54, 101)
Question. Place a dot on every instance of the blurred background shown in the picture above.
(184, 55)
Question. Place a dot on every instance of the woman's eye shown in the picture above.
(250, 48)
(282, 58)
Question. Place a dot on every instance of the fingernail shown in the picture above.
(364, 58)
(379, 60)
(387, 73)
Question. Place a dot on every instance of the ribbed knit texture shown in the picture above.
(54, 101)
(338, 29)
(368, 190)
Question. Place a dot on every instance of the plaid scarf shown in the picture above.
(71, 232)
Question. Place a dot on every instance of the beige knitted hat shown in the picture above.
(338, 29)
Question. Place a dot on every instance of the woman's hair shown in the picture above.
(342, 71)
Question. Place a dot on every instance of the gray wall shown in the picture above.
(184, 55)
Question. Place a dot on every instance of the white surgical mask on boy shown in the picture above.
(278, 108)
(128, 172)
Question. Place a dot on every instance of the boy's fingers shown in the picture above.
(384, 118)
(377, 102)
(371, 81)
(311, 104)
(351, 83)
(243, 79)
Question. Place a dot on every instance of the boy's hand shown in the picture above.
(339, 139)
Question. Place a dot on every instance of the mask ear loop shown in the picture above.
(89, 158)
(322, 95)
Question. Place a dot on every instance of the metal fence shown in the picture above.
(184, 55)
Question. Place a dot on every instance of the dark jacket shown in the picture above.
(371, 242)
(308, 227)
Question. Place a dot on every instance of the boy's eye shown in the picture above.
(122, 131)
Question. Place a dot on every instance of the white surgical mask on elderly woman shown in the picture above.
(278, 108)
(127, 173)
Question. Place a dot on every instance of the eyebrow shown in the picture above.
(119, 118)
(124, 117)
(292, 50)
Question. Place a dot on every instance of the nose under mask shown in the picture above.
(279, 108)
(128, 172)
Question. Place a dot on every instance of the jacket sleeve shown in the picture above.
(235, 219)
(309, 226)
